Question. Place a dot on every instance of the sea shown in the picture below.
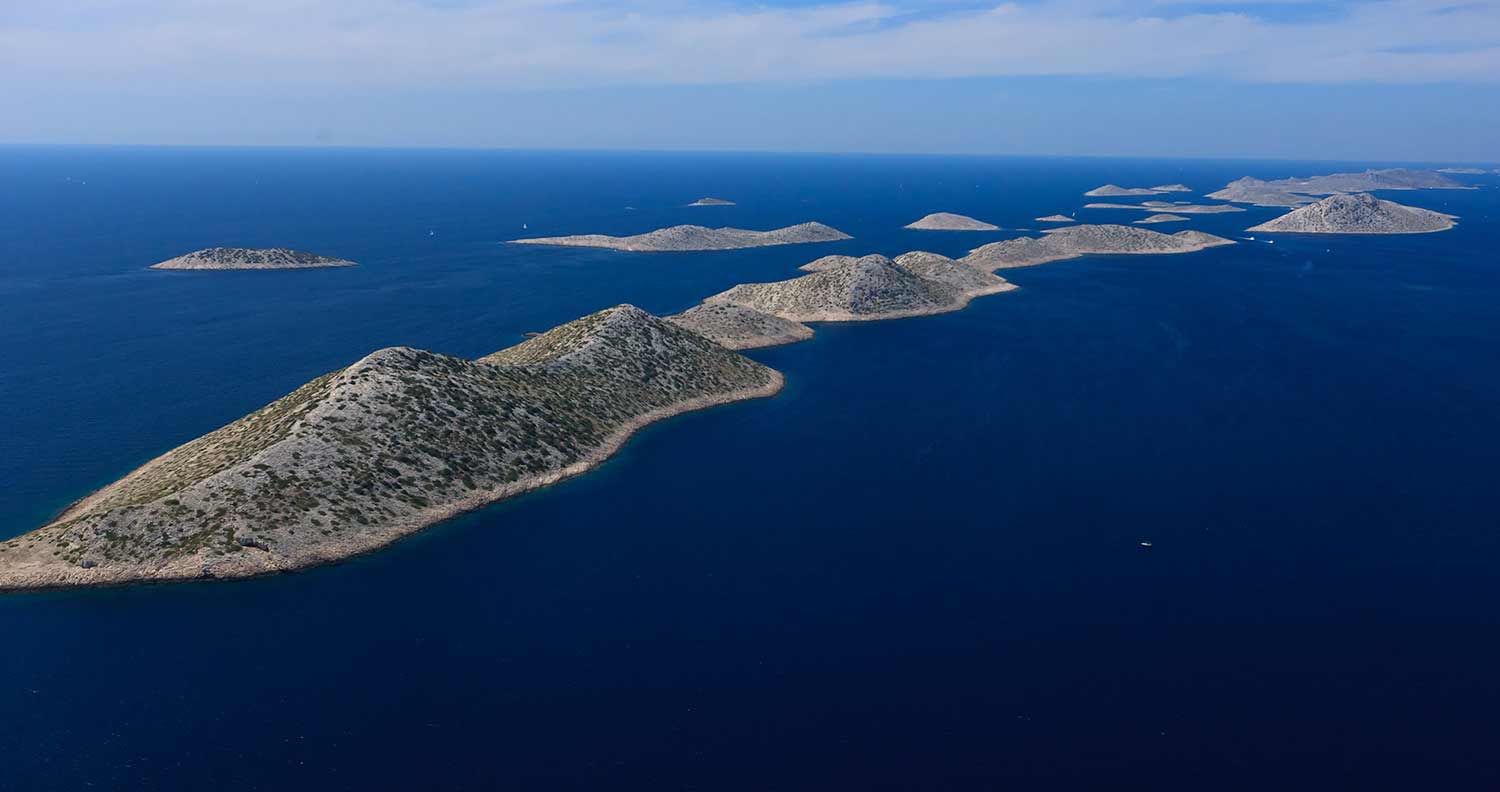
(919, 567)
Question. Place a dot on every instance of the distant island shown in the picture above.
(1161, 218)
(1116, 191)
(1180, 208)
(868, 288)
(1299, 191)
(711, 202)
(1358, 213)
(399, 440)
(1464, 171)
(1080, 240)
(947, 221)
(694, 237)
(227, 258)
(1056, 218)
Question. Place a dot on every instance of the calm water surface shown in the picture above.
(916, 568)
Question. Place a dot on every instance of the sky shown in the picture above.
(1398, 80)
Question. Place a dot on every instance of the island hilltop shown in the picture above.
(947, 221)
(397, 441)
(694, 237)
(1358, 213)
(226, 258)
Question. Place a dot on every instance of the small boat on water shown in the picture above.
(1146, 545)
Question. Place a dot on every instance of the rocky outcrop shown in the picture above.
(1161, 218)
(711, 202)
(1080, 240)
(693, 237)
(397, 441)
(1057, 218)
(946, 221)
(738, 327)
(226, 258)
(1359, 213)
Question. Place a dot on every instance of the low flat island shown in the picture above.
(695, 237)
(1081, 240)
(711, 202)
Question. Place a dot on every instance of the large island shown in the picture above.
(1299, 191)
(399, 440)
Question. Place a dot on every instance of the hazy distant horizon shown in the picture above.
(1370, 80)
(335, 147)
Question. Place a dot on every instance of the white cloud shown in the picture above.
(186, 45)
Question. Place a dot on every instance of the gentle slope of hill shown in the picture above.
(1358, 213)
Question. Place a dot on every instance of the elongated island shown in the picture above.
(230, 258)
(399, 440)
(694, 237)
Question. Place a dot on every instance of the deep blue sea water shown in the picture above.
(916, 568)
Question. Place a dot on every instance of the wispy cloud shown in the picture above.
(360, 44)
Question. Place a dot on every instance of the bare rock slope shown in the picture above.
(869, 288)
(226, 258)
(694, 237)
(1080, 240)
(1358, 213)
(738, 327)
(397, 441)
(947, 221)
